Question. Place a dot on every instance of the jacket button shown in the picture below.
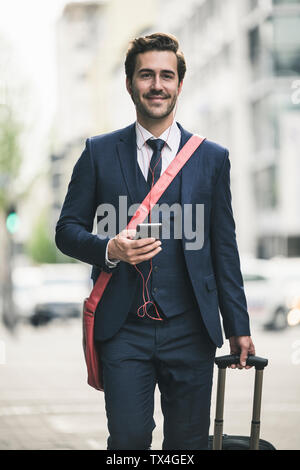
(155, 268)
(155, 289)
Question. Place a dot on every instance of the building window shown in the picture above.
(293, 246)
(265, 123)
(56, 180)
(260, 46)
(253, 4)
(254, 45)
(277, 245)
(287, 45)
(82, 76)
(285, 2)
(265, 188)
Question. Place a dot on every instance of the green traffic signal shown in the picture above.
(12, 222)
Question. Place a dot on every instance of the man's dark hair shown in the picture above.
(154, 42)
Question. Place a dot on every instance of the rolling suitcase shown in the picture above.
(220, 441)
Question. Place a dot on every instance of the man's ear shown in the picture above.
(180, 87)
(128, 86)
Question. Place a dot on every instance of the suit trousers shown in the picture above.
(177, 355)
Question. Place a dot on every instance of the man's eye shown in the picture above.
(146, 75)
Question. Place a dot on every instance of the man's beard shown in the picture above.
(143, 110)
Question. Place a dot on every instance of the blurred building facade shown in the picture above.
(92, 37)
(79, 37)
(243, 59)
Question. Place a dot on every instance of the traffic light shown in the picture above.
(12, 220)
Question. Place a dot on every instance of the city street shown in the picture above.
(45, 402)
(97, 101)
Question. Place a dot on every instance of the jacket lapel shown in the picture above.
(188, 180)
(188, 171)
(127, 154)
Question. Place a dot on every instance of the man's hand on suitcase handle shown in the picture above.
(243, 346)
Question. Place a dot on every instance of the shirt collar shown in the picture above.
(172, 138)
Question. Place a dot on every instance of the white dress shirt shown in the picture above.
(172, 137)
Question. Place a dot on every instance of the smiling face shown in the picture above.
(155, 85)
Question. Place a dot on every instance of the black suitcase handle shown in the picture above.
(224, 361)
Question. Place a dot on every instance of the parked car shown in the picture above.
(285, 297)
(26, 281)
(61, 293)
(272, 290)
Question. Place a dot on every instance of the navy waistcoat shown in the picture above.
(169, 285)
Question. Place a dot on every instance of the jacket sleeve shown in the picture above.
(225, 257)
(73, 230)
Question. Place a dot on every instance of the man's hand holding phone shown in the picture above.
(126, 248)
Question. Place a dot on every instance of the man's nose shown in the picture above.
(156, 83)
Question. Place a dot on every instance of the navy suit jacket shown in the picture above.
(105, 171)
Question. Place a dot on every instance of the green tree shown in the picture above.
(10, 161)
(10, 158)
(41, 247)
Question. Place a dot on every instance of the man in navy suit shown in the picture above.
(171, 340)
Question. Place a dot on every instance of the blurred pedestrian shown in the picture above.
(171, 341)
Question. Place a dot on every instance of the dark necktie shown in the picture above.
(155, 163)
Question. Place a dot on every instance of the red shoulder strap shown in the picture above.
(143, 210)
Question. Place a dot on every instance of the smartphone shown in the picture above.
(153, 230)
